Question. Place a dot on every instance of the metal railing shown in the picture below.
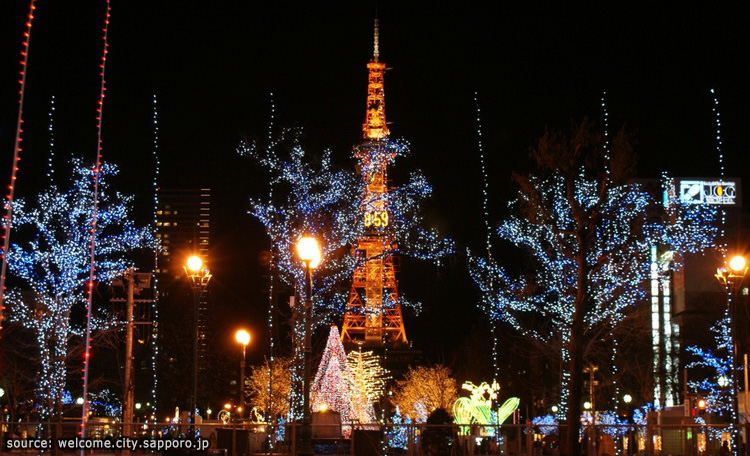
(243, 439)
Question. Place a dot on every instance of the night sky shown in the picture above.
(213, 67)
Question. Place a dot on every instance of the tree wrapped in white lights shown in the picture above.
(51, 264)
(368, 383)
(586, 229)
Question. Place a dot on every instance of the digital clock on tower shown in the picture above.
(376, 219)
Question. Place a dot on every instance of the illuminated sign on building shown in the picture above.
(723, 192)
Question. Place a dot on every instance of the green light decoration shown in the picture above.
(477, 408)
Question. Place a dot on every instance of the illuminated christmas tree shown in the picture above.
(332, 387)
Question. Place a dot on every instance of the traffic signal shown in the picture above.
(701, 406)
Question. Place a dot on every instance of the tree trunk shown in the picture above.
(572, 445)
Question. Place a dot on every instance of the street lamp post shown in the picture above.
(309, 253)
(731, 276)
(243, 338)
(199, 276)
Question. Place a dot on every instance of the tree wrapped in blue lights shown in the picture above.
(718, 396)
(586, 230)
(308, 196)
(311, 196)
(398, 434)
(51, 264)
(546, 424)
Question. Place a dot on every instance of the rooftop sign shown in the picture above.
(724, 192)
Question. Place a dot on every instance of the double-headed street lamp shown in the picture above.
(199, 276)
(731, 276)
(309, 252)
(243, 338)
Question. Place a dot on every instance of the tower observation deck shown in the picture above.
(373, 313)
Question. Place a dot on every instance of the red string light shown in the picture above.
(92, 270)
(8, 218)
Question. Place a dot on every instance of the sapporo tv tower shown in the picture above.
(373, 314)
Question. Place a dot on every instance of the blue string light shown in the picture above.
(52, 261)
(544, 224)
(311, 196)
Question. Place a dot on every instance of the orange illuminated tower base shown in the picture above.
(373, 314)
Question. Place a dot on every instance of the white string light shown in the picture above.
(51, 129)
(269, 415)
(717, 115)
(155, 274)
(488, 230)
(607, 169)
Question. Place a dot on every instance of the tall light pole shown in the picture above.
(731, 276)
(199, 276)
(309, 252)
(243, 338)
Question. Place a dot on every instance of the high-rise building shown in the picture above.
(685, 301)
(183, 229)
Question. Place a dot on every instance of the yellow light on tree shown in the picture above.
(274, 401)
(423, 390)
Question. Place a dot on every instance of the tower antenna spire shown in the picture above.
(375, 124)
(376, 41)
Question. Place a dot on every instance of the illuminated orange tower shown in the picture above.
(373, 313)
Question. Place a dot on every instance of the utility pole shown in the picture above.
(591, 370)
(133, 284)
(747, 399)
(128, 387)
